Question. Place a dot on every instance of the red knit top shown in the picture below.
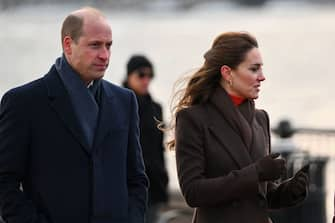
(236, 99)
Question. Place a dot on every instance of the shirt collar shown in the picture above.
(90, 84)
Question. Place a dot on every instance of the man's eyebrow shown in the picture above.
(99, 41)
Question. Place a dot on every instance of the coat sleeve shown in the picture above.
(137, 180)
(164, 179)
(198, 190)
(14, 147)
(159, 174)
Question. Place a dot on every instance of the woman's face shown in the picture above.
(245, 80)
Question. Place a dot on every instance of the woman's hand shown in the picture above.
(298, 185)
(270, 167)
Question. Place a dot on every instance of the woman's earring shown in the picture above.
(230, 82)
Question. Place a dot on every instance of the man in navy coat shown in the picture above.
(69, 142)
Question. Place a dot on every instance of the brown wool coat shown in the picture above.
(216, 169)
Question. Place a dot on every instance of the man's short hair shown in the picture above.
(73, 27)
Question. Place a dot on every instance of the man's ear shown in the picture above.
(226, 73)
(67, 45)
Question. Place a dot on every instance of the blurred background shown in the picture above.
(296, 38)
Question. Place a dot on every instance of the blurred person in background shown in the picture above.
(69, 141)
(140, 73)
(284, 143)
(225, 167)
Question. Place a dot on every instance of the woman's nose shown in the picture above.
(261, 77)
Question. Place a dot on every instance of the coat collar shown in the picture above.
(224, 126)
(61, 103)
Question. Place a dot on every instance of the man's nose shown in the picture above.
(104, 53)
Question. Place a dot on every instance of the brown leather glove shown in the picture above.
(270, 167)
(298, 185)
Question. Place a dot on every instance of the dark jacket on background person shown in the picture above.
(65, 180)
(151, 138)
(217, 145)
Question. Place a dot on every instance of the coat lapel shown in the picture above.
(225, 125)
(228, 138)
(61, 103)
(107, 113)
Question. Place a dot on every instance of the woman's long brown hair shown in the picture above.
(228, 49)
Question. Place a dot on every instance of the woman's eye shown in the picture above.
(254, 69)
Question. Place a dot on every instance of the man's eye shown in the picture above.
(94, 45)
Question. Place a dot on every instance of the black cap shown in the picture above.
(136, 62)
(284, 129)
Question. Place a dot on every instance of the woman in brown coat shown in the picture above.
(222, 142)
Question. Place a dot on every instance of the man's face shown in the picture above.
(140, 79)
(89, 56)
